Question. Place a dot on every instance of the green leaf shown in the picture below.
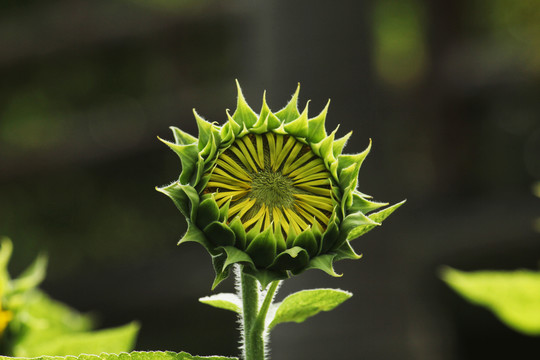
(114, 340)
(37, 314)
(299, 306)
(136, 355)
(513, 296)
(225, 301)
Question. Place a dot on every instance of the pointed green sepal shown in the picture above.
(329, 237)
(182, 137)
(227, 135)
(291, 236)
(209, 151)
(317, 131)
(339, 144)
(219, 234)
(267, 119)
(325, 263)
(348, 177)
(294, 259)
(243, 114)
(221, 271)
(236, 127)
(194, 234)
(377, 218)
(346, 252)
(185, 197)
(235, 255)
(188, 155)
(290, 111)
(306, 240)
(205, 131)
(350, 223)
(224, 212)
(239, 232)
(298, 127)
(265, 277)
(226, 301)
(253, 232)
(262, 249)
(281, 244)
(324, 149)
(207, 213)
(345, 161)
(265, 111)
(360, 203)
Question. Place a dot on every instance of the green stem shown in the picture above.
(254, 318)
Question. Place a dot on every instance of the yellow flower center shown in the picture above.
(273, 180)
(5, 318)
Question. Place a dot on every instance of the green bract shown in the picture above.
(271, 191)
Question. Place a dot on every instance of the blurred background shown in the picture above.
(448, 91)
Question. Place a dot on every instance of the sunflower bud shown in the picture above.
(271, 191)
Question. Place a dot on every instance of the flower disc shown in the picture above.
(273, 180)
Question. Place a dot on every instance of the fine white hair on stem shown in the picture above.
(238, 286)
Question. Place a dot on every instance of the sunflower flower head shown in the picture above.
(271, 191)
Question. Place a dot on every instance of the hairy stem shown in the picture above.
(254, 317)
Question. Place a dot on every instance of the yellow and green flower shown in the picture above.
(271, 191)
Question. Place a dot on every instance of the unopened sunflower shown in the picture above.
(271, 191)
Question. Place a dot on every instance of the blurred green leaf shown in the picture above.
(113, 340)
(32, 276)
(136, 355)
(513, 296)
(37, 313)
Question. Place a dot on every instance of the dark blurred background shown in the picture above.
(448, 91)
